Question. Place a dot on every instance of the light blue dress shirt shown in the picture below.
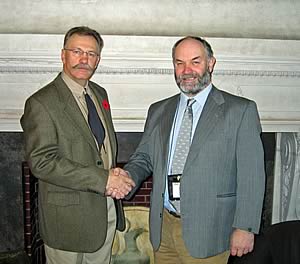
(197, 110)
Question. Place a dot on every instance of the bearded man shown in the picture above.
(204, 150)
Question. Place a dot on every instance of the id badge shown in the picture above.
(174, 187)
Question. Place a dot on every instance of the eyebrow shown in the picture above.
(195, 58)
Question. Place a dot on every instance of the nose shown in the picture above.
(187, 69)
(84, 57)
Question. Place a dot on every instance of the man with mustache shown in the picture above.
(204, 150)
(70, 146)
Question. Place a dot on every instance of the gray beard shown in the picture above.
(203, 82)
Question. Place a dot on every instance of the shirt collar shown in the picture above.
(75, 88)
(199, 97)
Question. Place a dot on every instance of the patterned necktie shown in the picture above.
(184, 139)
(183, 144)
(94, 121)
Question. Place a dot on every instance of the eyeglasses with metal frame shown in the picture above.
(79, 53)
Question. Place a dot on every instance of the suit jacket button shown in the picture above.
(99, 162)
(249, 229)
(160, 215)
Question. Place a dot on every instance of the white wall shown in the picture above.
(137, 70)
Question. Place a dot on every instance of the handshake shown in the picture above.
(119, 183)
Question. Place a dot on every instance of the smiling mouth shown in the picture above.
(188, 78)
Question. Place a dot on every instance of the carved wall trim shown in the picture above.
(137, 71)
(157, 71)
(286, 201)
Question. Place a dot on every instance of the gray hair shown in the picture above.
(206, 45)
(84, 31)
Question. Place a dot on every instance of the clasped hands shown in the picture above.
(119, 183)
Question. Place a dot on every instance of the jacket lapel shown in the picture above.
(107, 118)
(72, 110)
(168, 113)
(212, 113)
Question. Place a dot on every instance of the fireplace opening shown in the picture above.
(11, 194)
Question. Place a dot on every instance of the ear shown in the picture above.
(63, 56)
(211, 64)
(98, 61)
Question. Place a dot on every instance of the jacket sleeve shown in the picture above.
(250, 172)
(140, 165)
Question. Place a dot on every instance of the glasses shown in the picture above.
(79, 53)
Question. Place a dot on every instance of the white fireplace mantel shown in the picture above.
(137, 70)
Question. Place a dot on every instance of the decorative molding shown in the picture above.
(260, 73)
(142, 71)
(287, 178)
(138, 70)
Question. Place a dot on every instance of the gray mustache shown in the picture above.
(83, 66)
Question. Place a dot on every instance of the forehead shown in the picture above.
(188, 49)
(82, 41)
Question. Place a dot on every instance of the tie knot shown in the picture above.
(190, 102)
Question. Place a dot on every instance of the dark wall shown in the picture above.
(127, 143)
(11, 199)
(11, 195)
(269, 143)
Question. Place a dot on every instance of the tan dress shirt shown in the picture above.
(78, 92)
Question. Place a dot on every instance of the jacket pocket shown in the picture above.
(224, 195)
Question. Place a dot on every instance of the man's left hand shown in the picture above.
(241, 242)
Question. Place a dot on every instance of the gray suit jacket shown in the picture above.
(62, 153)
(223, 181)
